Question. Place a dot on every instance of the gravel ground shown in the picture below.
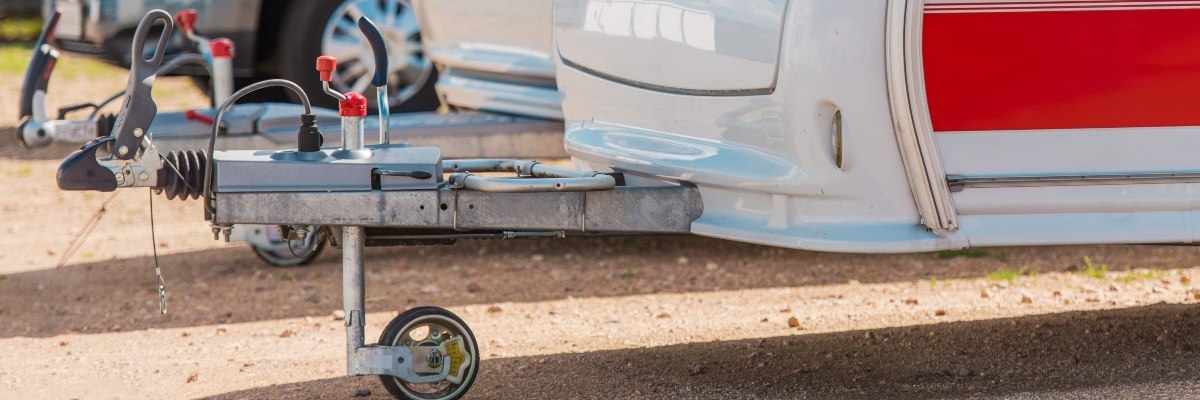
(649, 317)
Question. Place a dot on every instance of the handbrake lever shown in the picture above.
(380, 80)
(131, 163)
(138, 109)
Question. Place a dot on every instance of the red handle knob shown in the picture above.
(221, 47)
(355, 105)
(326, 64)
(186, 19)
(193, 115)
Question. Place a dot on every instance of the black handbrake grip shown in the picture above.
(138, 109)
(378, 48)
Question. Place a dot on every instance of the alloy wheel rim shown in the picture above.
(408, 67)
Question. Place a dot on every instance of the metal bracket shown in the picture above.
(140, 171)
(397, 361)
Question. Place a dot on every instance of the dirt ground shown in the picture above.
(647, 317)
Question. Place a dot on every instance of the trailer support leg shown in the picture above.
(353, 297)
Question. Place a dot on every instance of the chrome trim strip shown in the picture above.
(958, 183)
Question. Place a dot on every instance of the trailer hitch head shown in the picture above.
(82, 170)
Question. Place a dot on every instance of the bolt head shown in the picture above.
(123, 150)
(143, 176)
(137, 132)
(434, 358)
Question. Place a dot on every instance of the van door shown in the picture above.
(1056, 87)
(1065, 107)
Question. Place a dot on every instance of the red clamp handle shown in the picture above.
(221, 48)
(355, 105)
(186, 19)
(326, 64)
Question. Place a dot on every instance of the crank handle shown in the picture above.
(186, 21)
(326, 65)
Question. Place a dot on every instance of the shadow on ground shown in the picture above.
(230, 285)
(1133, 353)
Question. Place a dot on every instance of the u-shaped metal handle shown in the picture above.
(139, 39)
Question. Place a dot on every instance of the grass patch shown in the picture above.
(1010, 274)
(968, 253)
(14, 58)
(628, 273)
(3, 277)
(1140, 274)
(1092, 271)
(20, 29)
(288, 277)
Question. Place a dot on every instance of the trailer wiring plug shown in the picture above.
(309, 138)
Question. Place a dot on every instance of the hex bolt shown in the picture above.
(137, 132)
(300, 232)
(434, 358)
(142, 176)
(123, 150)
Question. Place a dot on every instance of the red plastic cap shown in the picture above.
(355, 105)
(221, 47)
(186, 19)
(326, 64)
